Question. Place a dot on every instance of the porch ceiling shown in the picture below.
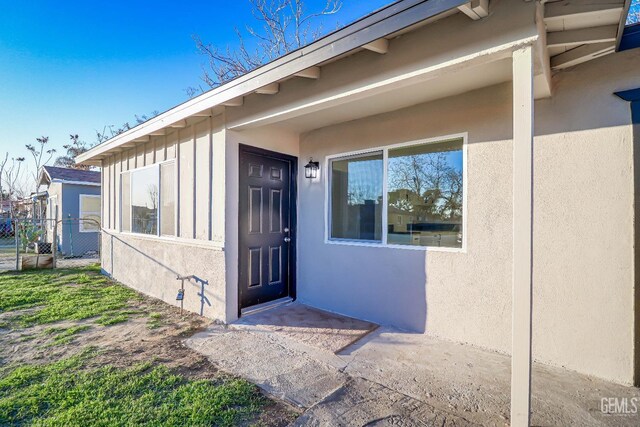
(393, 97)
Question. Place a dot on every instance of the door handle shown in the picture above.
(287, 239)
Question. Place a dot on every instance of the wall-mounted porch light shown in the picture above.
(311, 169)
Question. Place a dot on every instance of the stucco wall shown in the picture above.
(583, 278)
(152, 265)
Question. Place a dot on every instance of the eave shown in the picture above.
(366, 31)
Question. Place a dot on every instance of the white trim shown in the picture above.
(82, 213)
(64, 181)
(385, 150)
(385, 197)
(211, 244)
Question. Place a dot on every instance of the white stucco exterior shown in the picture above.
(583, 257)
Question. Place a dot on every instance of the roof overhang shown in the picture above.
(44, 177)
(362, 33)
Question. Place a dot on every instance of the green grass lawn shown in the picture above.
(73, 391)
(90, 295)
(62, 393)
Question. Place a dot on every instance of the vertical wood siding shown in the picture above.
(194, 147)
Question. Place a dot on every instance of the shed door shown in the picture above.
(265, 239)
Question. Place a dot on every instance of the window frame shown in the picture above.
(81, 227)
(50, 199)
(159, 215)
(385, 195)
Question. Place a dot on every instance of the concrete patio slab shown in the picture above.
(295, 374)
(475, 384)
(363, 403)
(391, 377)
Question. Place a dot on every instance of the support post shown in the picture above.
(522, 236)
(16, 235)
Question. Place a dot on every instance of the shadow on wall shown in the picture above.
(386, 289)
(150, 274)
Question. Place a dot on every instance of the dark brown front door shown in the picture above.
(265, 226)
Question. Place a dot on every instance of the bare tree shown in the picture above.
(110, 131)
(11, 179)
(284, 25)
(2, 167)
(427, 184)
(75, 148)
(40, 153)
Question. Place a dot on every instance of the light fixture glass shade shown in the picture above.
(311, 169)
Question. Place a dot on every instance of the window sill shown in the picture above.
(388, 246)
(207, 244)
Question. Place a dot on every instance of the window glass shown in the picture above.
(125, 205)
(90, 212)
(425, 195)
(356, 197)
(144, 201)
(167, 199)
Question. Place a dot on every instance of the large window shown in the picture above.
(416, 189)
(148, 200)
(89, 213)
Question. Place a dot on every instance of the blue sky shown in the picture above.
(75, 66)
(634, 13)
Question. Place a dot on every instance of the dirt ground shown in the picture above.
(140, 339)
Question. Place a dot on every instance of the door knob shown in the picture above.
(287, 239)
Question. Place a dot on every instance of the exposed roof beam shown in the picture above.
(309, 73)
(571, 38)
(380, 46)
(542, 83)
(578, 8)
(235, 102)
(270, 89)
(179, 124)
(581, 54)
(142, 139)
(159, 132)
(475, 9)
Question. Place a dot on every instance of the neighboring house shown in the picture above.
(73, 201)
(497, 121)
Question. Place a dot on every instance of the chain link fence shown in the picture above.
(8, 251)
(48, 243)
